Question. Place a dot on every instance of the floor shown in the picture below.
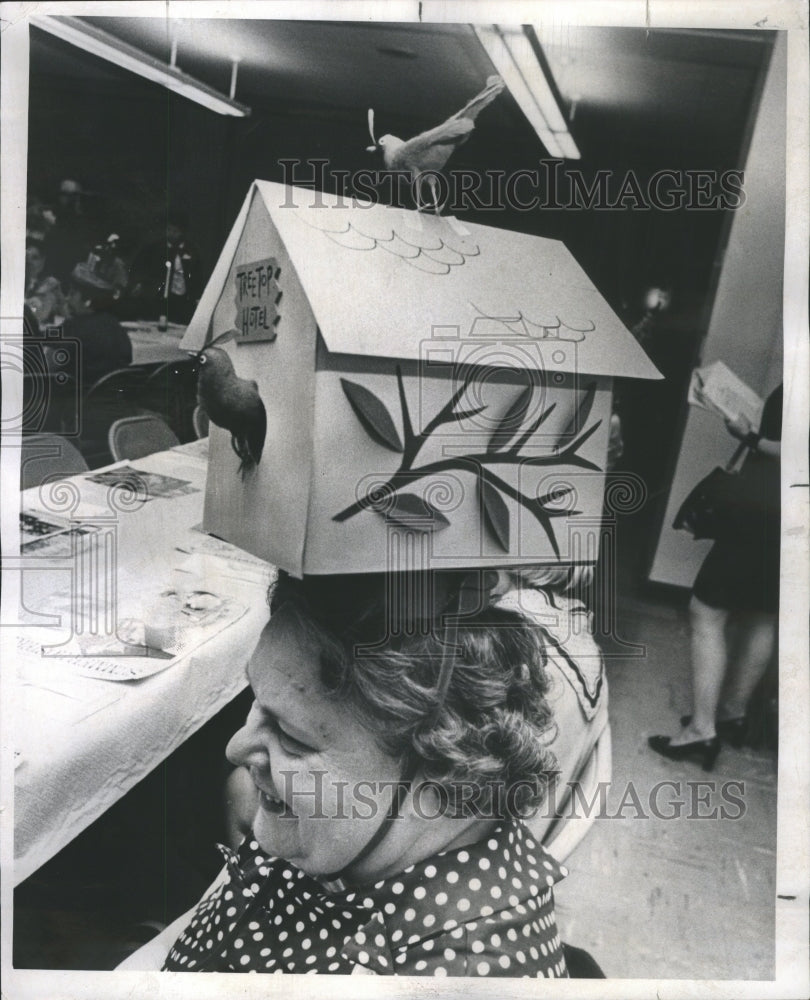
(683, 897)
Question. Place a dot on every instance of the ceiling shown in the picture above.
(674, 86)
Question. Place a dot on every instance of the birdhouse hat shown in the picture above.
(436, 394)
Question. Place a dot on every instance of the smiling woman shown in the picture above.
(389, 790)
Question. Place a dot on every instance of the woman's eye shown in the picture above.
(290, 744)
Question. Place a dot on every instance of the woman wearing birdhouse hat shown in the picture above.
(399, 736)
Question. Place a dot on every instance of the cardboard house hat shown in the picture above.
(437, 394)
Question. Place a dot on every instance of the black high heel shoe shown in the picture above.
(703, 752)
(733, 731)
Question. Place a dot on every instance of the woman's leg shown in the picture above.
(757, 639)
(709, 660)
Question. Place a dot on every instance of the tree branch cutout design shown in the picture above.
(392, 501)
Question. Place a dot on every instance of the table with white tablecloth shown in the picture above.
(105, 688)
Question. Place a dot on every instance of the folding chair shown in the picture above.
(134, 437)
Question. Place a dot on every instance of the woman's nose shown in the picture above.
(244, 747)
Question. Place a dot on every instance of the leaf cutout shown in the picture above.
(511, 421)
(496, 513)
(412, 511)
(372, 414)
(582, 412)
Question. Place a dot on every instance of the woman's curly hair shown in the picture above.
(491, 732)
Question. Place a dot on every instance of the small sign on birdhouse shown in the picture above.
(257, 299)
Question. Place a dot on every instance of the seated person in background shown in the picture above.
(389, 789)
(43, 292)
(149, 275)
(105, 344)
(74, 231)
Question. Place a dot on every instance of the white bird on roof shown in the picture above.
(429, 151)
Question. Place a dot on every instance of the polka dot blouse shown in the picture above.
(482, 910)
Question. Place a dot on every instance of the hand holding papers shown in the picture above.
(716, 388)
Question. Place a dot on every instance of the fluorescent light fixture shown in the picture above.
(105, 46)
(513, 57)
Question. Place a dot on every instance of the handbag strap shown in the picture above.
(735, 458)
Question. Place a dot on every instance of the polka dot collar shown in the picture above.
(270, 916)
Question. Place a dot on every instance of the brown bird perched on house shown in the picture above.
(232, 403)
(429, 151)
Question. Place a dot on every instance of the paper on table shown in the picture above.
(160, 630)
(716, 388)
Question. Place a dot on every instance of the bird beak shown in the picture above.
(371, 149)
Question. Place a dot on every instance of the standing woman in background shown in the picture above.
(738, 585)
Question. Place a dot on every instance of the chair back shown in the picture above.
(201, 422)
(134, 437)
(48, 456)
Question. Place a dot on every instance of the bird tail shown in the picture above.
(471, 109)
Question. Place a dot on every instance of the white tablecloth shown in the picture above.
(82, 742)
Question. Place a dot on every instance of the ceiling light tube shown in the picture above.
(512, 55)
(105, 46)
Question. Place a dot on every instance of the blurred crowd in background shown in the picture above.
(71, 242)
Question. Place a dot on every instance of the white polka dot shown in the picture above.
(513, 900)
(410, 913)
(533, 952)
(439, 971)
(457, 932)
(492, 845)
(441, 898)
(421, 964)
(463, 857)
(543, 948)
(362, 956)
(379, 940)
(496, 940)
(452, 877)
(463, 904)
(483, 864)
(390, 908)
(323, 934)
(520, 956)
(516, 882)
(264, 952)
(477, 947)
(549, 880)
(397, 888)
(486, 911)
(238, 943)
(306, 944)
(300, 926)
(504, 962)
(283, 936)
(253, 925)
(419, 892)
(474, 884)
(482, 968)
(396, 935)
(244, 959)
(495, 892)
(258, 936)
(230, 911)
(430, 920)
(428, 945)
(430, 871)
(563, 871)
